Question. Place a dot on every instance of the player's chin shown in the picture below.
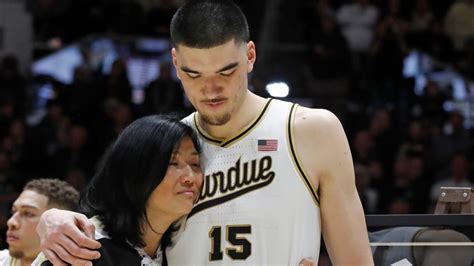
(217, 119)
(15, 249)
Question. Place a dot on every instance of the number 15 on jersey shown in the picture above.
(235, 244)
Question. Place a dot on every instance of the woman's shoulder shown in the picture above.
(117, 253)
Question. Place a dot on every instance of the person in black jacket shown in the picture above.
(148, 180)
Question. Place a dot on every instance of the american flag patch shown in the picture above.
(267, 145)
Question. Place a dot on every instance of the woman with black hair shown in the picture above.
(148, 180)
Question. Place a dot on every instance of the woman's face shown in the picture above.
(181, 186)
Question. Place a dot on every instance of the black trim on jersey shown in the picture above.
(250, 127)
(230, 196)
(227, 142)
(202, 134)
(295, 158)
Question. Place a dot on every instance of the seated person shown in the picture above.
(38, 196)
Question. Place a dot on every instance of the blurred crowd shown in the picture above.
(405, 145)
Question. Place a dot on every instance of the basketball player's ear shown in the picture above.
(175, 61)
(251, 56)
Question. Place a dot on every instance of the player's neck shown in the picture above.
(244, 116)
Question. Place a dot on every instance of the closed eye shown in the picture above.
(192, 75)
(227, 73)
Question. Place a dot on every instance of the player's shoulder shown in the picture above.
(188, 120)
(315, 119)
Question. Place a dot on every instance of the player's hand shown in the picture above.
(67, 237)
(306, 262)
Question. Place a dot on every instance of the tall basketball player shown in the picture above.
(277, 175)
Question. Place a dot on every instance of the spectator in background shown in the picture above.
(363, 147)
(15, 144)
(368, 196)
(258, 86)
(47, 138)
(357, 21)
(388, 52)
(416, 139)
(329, 51)
(431, 103)
(164, 94)
(117, 85)
(466, 63)
(458, 176)
(364, 152)
(421, 35)
(125, 17)
(8, 191)
(76, 153)
(384, 137)
(58, 22)
(13, 157)
(50, 19)
(399, 206)
(402, 184)
(159, 18)
(77, 178)
(117, 116)
(7, 113)
(420, 182)
(454, 138)
(330, 71)
(459, 22)
(321, 8)
(12, 83)
(422, 17)
(439, 45)
(82, 98)
(38, 196)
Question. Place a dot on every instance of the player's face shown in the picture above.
(179, 190)
(22, 238)
(215, 79)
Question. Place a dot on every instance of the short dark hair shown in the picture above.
(59, 193)
(131, 169)
(208, 23)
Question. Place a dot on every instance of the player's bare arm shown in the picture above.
(324, 152)
(67, 237)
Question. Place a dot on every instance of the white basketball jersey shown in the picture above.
(257, 207)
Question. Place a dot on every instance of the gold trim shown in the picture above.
(203, 133)
(294, 155)
(242, 134)
(213, 244)
(13, 261)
